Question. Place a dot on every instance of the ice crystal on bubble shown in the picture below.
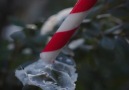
(61, 75)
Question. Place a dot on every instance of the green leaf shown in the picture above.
(121, 12)
(107, 43)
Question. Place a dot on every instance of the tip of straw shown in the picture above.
(46, 58)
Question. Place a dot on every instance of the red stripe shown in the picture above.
(83, 5)
(59, 40)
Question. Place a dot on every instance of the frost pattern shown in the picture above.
(61, 75)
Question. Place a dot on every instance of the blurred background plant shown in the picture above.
(100, 47)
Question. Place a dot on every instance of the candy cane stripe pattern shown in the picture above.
(66, 30)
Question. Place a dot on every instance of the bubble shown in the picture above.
(61, 75)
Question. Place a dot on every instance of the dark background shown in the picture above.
(102, 60)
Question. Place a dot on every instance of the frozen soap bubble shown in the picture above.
(61, 75)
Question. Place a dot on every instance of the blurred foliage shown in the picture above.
(102, 67)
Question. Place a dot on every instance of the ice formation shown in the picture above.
(61, 75)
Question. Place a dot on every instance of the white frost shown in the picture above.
(61, 75)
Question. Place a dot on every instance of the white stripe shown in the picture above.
(72, 21)
(49, 56)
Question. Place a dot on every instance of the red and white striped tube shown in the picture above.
(66, 30)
